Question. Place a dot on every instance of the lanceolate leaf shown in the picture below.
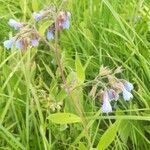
(64, 118)
(108, 137)
(44, 26)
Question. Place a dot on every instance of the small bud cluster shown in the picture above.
(56, 106)
(49, 103)
(112, 88)
(28, 35)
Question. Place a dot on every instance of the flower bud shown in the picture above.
(50, 35)
(126, 95)
(128, 86)
(106, 107)
(8, 43)
(16, 25)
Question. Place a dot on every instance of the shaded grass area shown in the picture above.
(110, 33)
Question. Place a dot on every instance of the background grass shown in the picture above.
(103, 32)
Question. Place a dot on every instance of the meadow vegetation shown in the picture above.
(42, 109)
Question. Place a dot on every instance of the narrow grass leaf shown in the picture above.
(35, 5)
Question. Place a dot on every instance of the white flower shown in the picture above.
(16, 25)
(126, 95)
(8, 43)
(106, 107)
(128, 86)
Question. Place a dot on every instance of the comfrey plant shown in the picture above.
(28, 35)
(112, 88)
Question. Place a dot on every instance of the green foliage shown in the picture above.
(64, 118)
(103, 32)
(79, 70)
(108, 136)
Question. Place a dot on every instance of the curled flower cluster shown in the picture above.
(113, 88)
(28, 35)
(61, 21)
(122, 88)
(45, 13)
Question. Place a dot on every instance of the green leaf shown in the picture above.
(64, 118)
(44, 26)
(108, 137)
(61, 95)
(79, 70)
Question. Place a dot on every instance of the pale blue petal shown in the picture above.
(127, 95)
(128, 86)
(50, 35)
(16, 25)
(66, 24)
(19, 44)
(106, 107)
(34, 42)
(37, 16)
(8, 44)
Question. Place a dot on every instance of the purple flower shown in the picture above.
(126, 95)
(64, 20)
(37, 16)
(112, 95)
(128, 86)
(66, 24)
(8, 43)
(50, 35)
(35, 42)
(106, 107)
(16, 25)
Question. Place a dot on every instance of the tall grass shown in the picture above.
(103, 32)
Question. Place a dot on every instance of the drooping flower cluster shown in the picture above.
(28, 35)
(113, 88)
(25, 38)
(60, 21)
